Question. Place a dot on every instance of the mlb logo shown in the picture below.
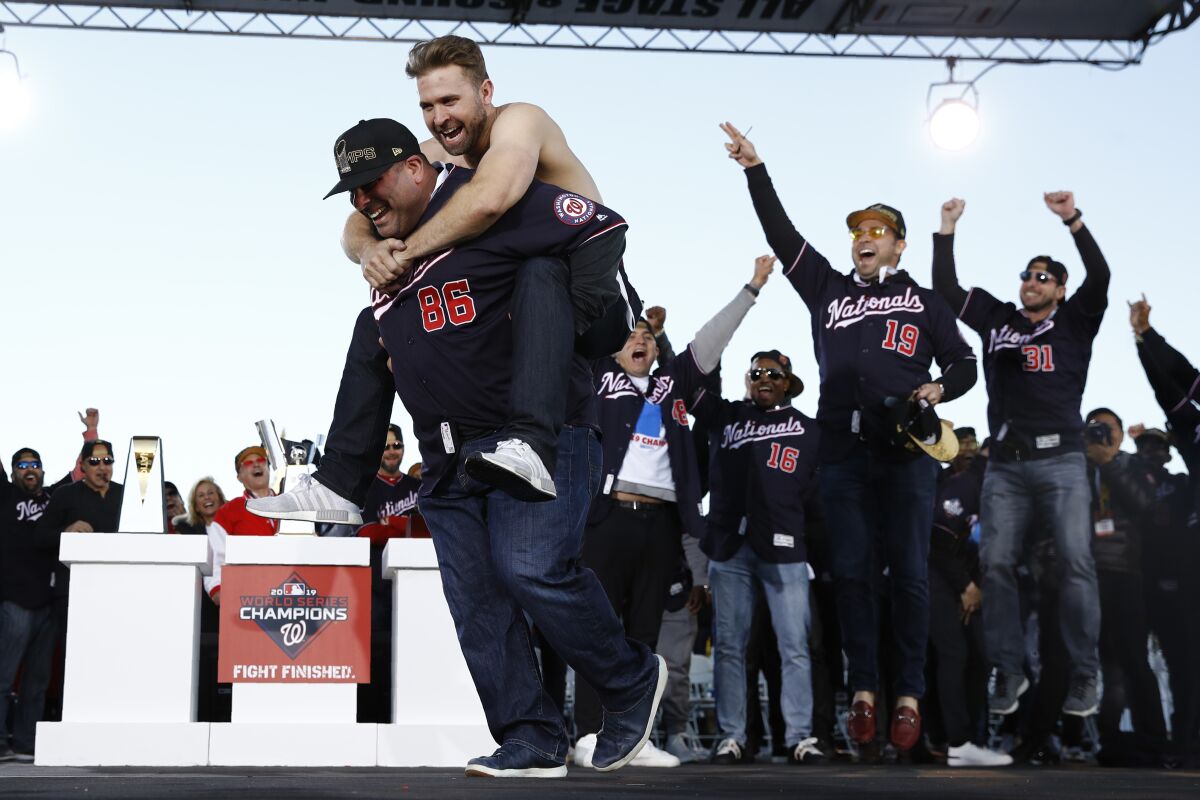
(294, 589)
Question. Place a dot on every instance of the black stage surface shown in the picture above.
(765, 780)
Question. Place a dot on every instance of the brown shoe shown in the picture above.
(906, 728)
(861, 723)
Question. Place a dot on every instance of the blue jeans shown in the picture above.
(502, 559)
(786, 588)
(27, 638)
(879, 514)
(1020, 496)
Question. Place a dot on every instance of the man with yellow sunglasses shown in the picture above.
(875, 335)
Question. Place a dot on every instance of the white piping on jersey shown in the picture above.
(797, 261)
(1187, 398)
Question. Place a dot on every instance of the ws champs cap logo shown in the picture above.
(572, 209)
(293, 613)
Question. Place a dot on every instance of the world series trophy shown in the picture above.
(288, 460)
(144, 510)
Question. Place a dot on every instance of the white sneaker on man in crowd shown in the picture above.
(651, 756)
(307, 500)
(972, 755)
(584, 747)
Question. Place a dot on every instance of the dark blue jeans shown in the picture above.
(502, 559)
(27, 639)
(879, 514)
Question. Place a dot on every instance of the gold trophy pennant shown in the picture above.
(145, 461)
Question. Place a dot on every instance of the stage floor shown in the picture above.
(703, 781)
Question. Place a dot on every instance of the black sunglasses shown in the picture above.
(394, 446)
(758, 372)
(29, 465)
(1042, 277)
(96, 461)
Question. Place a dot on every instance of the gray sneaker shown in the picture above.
(1006, 692)
(515, 469)
(680, 746)
(1082, 698)
(308, 501)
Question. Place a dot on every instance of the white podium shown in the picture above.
(294, 724)
(132, 653)
(437, 719)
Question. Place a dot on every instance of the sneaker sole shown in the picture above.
(480, 771)
(962, 762)
(484, 470)
(658, 693)
(336, 517)
(1086, 712)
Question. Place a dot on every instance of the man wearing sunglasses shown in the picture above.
(28, 625)
(761, 473)
(233, 519)
(1035, 360)
(876, 334)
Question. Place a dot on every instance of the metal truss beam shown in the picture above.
(1105, 53)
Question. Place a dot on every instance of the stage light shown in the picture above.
(954, 122)
(14, 91)
(954, 125)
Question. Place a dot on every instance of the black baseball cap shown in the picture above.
(365, 152)
(1055, 268)
(884, 213)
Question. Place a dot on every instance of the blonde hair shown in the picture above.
(193, 516)
(446, 51)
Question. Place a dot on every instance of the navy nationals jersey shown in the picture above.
(447, 329)
(390, 498)
(762, 465)
(1035, 372)
(662, 410)
(871, 341)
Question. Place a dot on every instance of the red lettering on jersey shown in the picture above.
(909, 335)
(1038, 358)
(783, 458)
(679, 412)
(453, 302)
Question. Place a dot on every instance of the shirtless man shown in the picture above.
(508, 146)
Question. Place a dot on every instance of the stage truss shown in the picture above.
(1105, 53)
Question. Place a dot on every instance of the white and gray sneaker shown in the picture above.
(514, 468)
(308, 501)
(972, 755)
(807, 752)
(651, 756)
(584, 747)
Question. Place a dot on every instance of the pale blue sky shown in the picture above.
(166, 255)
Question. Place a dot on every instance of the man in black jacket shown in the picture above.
(1176, 385)
(1123, 494)
(28, 628)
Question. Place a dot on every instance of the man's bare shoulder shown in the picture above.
(522, 119)
(528, 124)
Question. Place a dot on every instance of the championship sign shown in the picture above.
(303, 624)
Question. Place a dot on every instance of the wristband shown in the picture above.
(751, 290)
(1071, 220)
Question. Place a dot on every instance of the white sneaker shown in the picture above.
(729, 752)
(584, 747)
(807, 752)
(972, 755)
(651, 756)
(515, 469)
(308, 501)
(680, 746)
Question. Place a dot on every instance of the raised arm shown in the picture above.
(712, 339)
(782, 236)
(1093, 292)
(945, 276)
(1172, 377)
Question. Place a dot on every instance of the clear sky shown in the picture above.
(167, 258)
